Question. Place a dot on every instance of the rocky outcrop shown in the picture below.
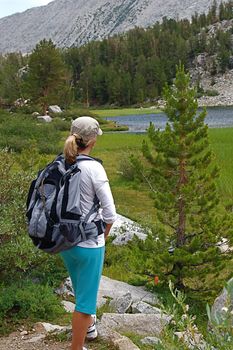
(121, 304)
(222, 84)
(131, 311)
(125, 229)
(113, 289)
(141, 324)
(68, 306)
(120, 341)
(216, 87)
(76, 22)
(141, 307)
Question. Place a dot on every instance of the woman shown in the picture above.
(85, 261)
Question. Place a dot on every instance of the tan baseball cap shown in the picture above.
(85, 127)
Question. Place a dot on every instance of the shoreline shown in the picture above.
(123, 112)
(214, 104)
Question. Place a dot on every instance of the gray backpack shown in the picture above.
(53, 208)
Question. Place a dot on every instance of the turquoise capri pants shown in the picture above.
(85, 267)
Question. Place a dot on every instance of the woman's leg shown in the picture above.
(80, 323)
(85, 268)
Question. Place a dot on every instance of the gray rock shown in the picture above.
(68, 306)
(113, 289)
(223, 84)
(144, 308)
(142, 324)
(45, 327)
(125, 229)
(55, 109)
(121, 304)
(66, 288)
(36, 338)
(118, 340)
(44, 118)
(223, 304)
(150, 341)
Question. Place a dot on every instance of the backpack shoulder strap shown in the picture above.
(58, 162)
(96, 203)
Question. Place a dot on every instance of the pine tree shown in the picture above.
(47, 78)
(182, 179)
(212, 15)
(10, 79)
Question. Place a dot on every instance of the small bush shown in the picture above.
(19, 131)
(126, 169)
(74, 113)
(28, 300)
(211, 93)
(16, 249)
(61, 125)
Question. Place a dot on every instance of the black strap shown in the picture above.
(101, 226)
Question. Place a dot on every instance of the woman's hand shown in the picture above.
(107, 230)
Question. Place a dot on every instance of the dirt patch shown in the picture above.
(16, 341)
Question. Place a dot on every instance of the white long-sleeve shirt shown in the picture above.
(94, 180)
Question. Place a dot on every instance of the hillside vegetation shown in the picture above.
(129, 68)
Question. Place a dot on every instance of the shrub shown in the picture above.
(16, 249)
(211, 93)
(61, 125)
(126, 168)
(183, 320)
(19, 131)
(74, 113)
(27, 300)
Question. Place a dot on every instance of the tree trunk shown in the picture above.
(181, 205)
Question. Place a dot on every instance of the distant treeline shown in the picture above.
(132, 67)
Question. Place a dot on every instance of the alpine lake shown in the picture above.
(217, 117)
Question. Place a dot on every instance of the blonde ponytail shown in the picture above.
(70, 149)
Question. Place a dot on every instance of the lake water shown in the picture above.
(218, 117)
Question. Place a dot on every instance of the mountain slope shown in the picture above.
(75, 22)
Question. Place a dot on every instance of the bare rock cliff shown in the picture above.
(76, 22)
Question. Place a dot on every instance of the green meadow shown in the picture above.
(19, 132)
(222, 145)
(124, 111)
(133, 200)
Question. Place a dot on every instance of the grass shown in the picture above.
(131, 200)
(134, 201)
(222, 145)
(125, 111)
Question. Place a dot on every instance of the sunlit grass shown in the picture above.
(222, 145)
(125, 111)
